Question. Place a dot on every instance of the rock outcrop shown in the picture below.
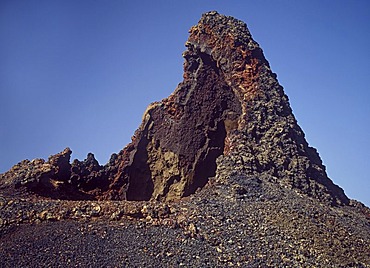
(229, 117)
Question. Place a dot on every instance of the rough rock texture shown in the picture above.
(218, 174)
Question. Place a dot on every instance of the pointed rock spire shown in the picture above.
(229, 107)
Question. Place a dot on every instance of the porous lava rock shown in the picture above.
(228, 116)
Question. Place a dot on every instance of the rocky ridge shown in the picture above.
(220, 165)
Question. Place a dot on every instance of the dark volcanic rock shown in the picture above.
(45, 178)
(88, 175)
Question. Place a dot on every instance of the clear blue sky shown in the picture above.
(81, 73)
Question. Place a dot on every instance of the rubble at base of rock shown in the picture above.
(238, 221)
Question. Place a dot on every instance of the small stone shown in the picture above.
(117, 215)
(43, 214)
(51, 217)
(192, 228)
(144, 210)
(96, 209)
(2, 201)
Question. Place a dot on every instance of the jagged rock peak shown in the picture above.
(228, 118)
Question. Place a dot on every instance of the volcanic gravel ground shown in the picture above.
(220, 226)
(62, 244)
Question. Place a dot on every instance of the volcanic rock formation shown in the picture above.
(228, 129)
(229, 116)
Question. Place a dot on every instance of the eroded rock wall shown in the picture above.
(181, 136)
